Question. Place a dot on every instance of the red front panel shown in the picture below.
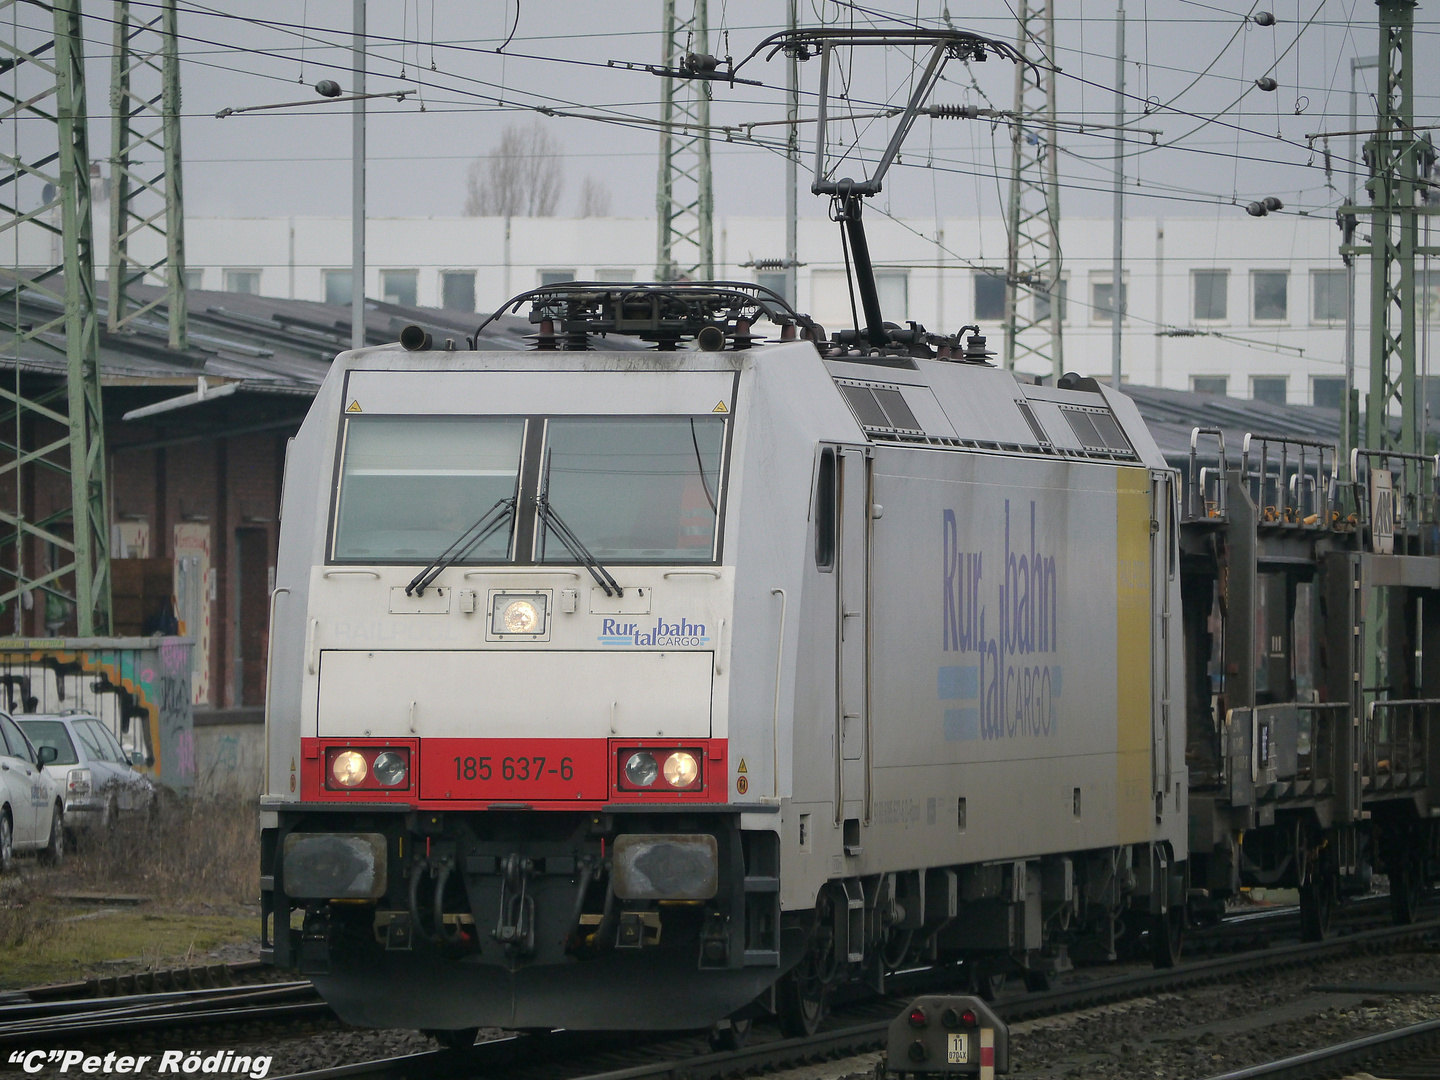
(552, 774)
(514, 770)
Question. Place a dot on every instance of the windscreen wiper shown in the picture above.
(576, 547)
(465, 543)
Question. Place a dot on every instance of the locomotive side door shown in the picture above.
(852, 647)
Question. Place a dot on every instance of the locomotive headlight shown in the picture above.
(348, 768)
(681, 769)
(390, 769)
(642, 770)
(518, 615)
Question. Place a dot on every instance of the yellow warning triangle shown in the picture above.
(719, 407)
(354, 406)
(742, 766)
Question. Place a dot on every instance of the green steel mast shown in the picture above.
(1032, 267)
(145, 195)
(684, 204)
(1397, 158)
(51, 426)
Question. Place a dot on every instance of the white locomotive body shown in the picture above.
(881, 674)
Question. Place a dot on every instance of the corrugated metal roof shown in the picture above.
(269, 345)
(1172, 414)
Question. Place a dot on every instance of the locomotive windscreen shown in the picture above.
(410, 485)
(635, 489)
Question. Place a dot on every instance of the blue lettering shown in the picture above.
(1012, 699)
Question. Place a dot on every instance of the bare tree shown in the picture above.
(594, 198)
(521, 177)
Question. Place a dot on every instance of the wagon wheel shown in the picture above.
(1317, 892)
(987, 980)
(1407, 883)
(801, 999)
(733, 1036)
(455, 1039)
(1167, 936)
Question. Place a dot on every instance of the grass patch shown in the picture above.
(196, 859)
(74, 947)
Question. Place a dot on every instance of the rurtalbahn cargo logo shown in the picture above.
(1013, 689)
(676, 635)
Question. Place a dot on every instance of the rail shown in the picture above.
(1197, 501)
(1396, 737)
(1290, 488)
(1413, 506)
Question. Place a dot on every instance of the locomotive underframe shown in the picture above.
(513, 919)
(496, 917)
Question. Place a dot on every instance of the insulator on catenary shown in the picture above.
(954, 112)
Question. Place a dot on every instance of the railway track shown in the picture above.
(1407, 1053)
(49, 1022)
(45, 1017)
(855, 1029)
(193, 977)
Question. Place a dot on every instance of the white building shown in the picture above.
(1263, 297)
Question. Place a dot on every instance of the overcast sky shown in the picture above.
(1194, 63)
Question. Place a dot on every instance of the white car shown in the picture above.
(32, 803)
(98, 780)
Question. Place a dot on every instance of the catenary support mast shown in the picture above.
(147, 221)
(1397, 158)
(1034, 294)
(50, 420)
(685, 246)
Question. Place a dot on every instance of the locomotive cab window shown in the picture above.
(632, 489)
(409, 486)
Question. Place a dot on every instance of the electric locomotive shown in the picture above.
(646, 689)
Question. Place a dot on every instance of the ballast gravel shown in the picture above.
(1209, 1030)
(1192, 1034)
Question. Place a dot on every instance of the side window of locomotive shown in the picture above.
(825, 511)
(633, 488)
(410, 486)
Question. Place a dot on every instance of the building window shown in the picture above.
(398, 286)
(893, 286)
(615, 273)
(243, 281)
(337, 287)
(1102, 304)
(1268, 388)
(1270, 289)
(1210, 384)
(1327, 391)
(556, 277)
(989, 297)
(457, 290)
(1042, 301)
(1211, 287)
(1327, 294)
(194, 279)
